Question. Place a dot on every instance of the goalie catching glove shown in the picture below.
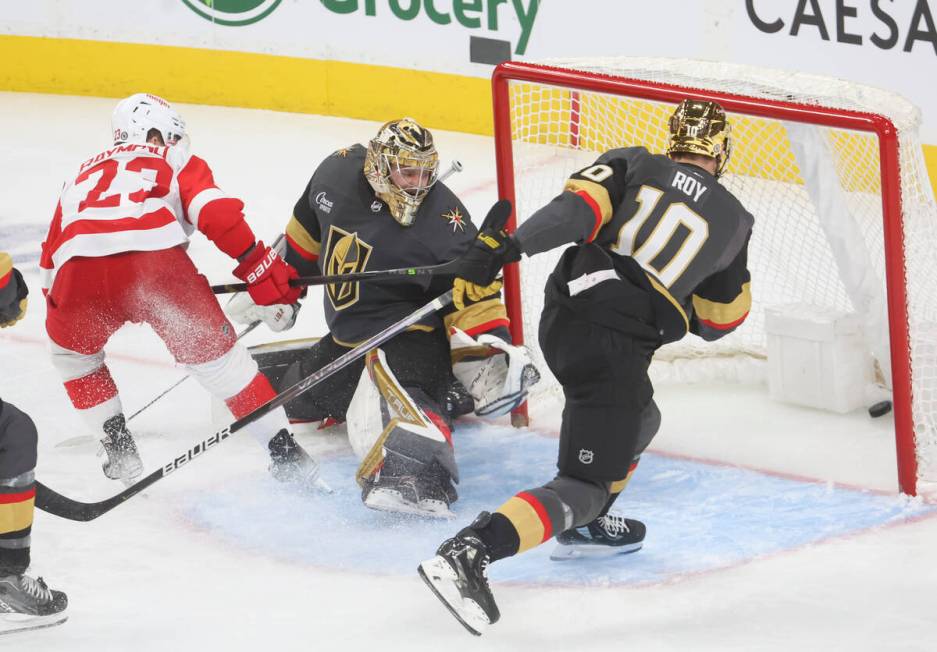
(498, 375)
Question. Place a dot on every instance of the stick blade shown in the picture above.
(497, 216)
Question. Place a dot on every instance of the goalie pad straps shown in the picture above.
(383, 415)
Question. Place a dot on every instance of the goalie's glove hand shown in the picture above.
(281, 317)
(498, 375)
(491, 251)
(267, 276)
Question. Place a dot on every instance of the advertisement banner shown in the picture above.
(891, 44)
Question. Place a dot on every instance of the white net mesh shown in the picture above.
(815, 192)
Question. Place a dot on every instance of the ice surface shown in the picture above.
(770, 527)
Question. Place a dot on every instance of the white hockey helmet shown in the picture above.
(136, 115)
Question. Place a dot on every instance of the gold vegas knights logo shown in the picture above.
(349, 254)
(232, 12)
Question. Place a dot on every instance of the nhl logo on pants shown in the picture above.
(585, 456)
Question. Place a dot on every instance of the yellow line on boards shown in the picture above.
(256, 81)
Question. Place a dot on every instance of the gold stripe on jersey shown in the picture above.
(476, 314)
(6, 264)
(298, 234)
(724, 314)
(16, 516)
(597, 192)
(666, 294)
(525, 519)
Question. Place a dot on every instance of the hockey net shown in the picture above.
(832, 171)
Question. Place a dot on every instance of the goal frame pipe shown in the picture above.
(889, 170)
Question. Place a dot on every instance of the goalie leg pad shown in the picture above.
(405, 447)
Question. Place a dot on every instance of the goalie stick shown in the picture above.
(56, 504)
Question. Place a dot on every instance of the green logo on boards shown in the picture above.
(471, 14)
(232, 12)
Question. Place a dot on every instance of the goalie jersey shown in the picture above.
(671, 227)
(340, 226)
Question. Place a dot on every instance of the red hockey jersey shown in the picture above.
(134, 197)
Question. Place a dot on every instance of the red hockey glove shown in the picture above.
(267, 276)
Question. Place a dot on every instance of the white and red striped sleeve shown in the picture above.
(214, 213)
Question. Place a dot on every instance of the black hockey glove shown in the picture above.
(491, 251)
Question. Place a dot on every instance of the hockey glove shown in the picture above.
(267, 276)
(498, 375)
(489, 253)
(15, 289)
(281, 317)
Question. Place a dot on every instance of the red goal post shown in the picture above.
(566, 113)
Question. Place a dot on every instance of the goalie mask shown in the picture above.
(134, 117)
(401, 166)
(701, 128)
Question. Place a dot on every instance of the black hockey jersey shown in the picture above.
(340, 226)
(671, 227)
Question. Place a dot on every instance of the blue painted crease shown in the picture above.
(700, 516)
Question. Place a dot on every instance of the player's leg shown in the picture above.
(398, 428)
(185, 314)
(610, 533)
(81, 316)
(25, 602)
(600, 356)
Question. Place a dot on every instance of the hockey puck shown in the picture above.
(879, 409)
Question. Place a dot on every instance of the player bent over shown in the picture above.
(662, 251)
(25, 603)
(115, 253)
(381, 207)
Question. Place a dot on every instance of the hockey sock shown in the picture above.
(497, 533)
(615, 488)
(535, 516)
(17, 496)
(257, 392)
(95, 397)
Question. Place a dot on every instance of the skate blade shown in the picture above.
(13, 623)
(390, 501)
(445, 601)
(567, 553)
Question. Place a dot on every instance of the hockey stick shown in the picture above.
(81, 439)
(450, 267)
(56, 504)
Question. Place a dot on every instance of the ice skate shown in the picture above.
(123, 460)
(458, 575)
(605, 536)
(458, 400)
(27, 603)
(290, 463)
(410, 494)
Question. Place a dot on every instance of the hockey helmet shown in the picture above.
(401, 165)
(136, 115)
(701, 128)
